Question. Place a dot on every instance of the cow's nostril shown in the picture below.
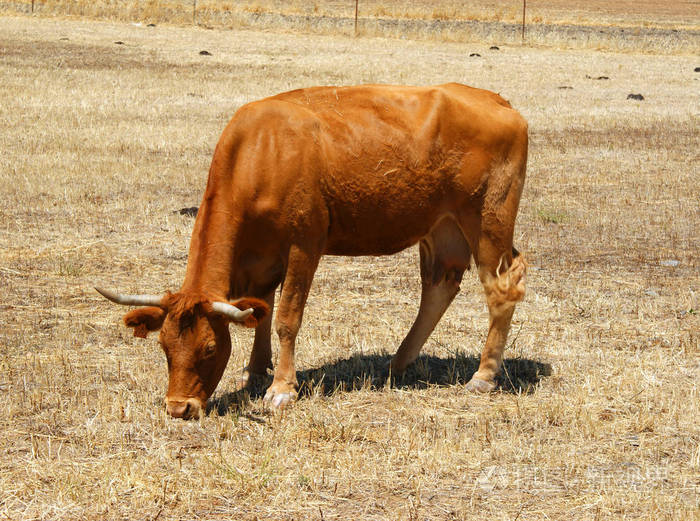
(177, 409)
(184, 409)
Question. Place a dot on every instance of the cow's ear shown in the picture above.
(144, 320)
(260, 310)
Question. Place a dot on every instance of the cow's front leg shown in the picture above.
(261, 356)
(295, 289)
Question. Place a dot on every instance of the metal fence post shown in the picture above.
(194, 12)
(356, 2)
(523, 36)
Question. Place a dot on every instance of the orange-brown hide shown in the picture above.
(366, 170)
(363, 170)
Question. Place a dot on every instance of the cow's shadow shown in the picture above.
(519, 375)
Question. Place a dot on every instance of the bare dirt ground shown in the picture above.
(597, 413)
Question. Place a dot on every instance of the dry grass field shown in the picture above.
(597, 413)
(596, 12)
(623, 25)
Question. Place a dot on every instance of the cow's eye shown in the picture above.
(210, 350)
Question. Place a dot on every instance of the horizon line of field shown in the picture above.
(455, 29)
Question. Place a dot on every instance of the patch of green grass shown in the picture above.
(66, 267)
(551, 215)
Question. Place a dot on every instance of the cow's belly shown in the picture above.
(383, 228)
(375, 245)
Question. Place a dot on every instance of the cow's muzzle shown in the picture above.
(189, 408)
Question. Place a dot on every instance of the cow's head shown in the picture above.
(195, 338)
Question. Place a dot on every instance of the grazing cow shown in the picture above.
(366, 170)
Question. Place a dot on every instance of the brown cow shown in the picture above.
(366, 170)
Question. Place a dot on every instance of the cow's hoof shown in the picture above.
(479, 386)
(278, 398)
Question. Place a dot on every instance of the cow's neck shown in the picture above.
(210, 261)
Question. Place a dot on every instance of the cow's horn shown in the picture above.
(132, 300)
(231, 311)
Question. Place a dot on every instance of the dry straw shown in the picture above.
(596, 414)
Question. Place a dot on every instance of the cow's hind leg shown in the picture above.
(504, 285)
(444, 255)
(501, 268)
